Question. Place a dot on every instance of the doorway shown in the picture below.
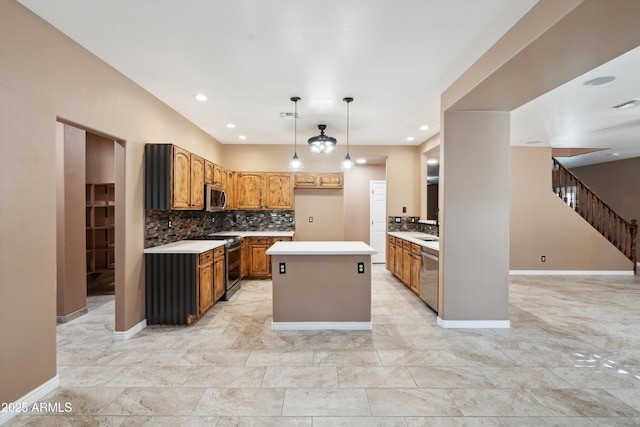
(378, 215)
(89, 219)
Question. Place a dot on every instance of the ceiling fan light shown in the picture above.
(322, 144)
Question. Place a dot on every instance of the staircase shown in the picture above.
(579, 197)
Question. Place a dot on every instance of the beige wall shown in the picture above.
(101, 166)
(542, 224)
(357, 195)
(618, 183)
(45, 76)
(326, 207)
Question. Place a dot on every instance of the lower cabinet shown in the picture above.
(181, 288)
(205, 282)
(403, 260)
(259, 263)
(219, 275)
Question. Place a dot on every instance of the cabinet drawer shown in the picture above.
(392, 240)
(259, 240)
(415, 248)
(206, 257)
(218, 252)
(406, 245)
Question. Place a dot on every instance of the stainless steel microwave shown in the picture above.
(215, 198)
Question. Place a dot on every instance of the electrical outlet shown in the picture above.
(413, 219)
(290, 219)
(361, 268)
(398, 219)
(170, 224)
(283, 268)
(543, 258)
(404, 209)
(310, 219)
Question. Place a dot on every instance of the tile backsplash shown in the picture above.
(410, 223)
(193, 224)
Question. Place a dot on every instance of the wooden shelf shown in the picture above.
(100, 226)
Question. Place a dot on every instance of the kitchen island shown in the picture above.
(321, 285)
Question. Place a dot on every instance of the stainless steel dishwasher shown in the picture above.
(430, 258)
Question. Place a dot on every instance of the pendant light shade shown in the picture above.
(295, 163)
(347, 163)
(322, 144)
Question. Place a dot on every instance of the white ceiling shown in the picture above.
(395, 58)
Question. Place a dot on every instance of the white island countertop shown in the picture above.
(320, 248)
(185, 247)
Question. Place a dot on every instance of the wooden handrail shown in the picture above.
(582, 199)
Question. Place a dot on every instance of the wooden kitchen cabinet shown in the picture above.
(263, 190)
(181, 195)
(249, 187)
(414, 276)
(205, 295)
(278, 191)
(318, 180)
(258, 264)
(398, 258)
(406, 263)
(217, 175)
(208, 172)
(197, 182)
(219, 274)
(230, 190)
(391, 250)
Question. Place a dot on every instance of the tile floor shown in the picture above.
(571, 358)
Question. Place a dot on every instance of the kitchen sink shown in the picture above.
(428, 239)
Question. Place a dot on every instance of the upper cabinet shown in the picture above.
(208, 172)
(318, 180)
(174, 178)
(263, 190)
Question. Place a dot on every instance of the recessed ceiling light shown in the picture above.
(599, 81)
(410, 138)
(231, 125)
(361, 161)
(242, 137)
(200, 97)
(424, 127)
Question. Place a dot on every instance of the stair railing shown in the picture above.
(578, 196)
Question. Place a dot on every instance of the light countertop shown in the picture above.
(320, 248)
(186, 247)
(415, 237)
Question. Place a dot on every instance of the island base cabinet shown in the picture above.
(321, 288)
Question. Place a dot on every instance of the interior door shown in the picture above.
(378, 215)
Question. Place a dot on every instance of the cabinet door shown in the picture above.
(305, 180)
(279, 191)
(391, 259)
(249, 187)
(208, 172)
(230, 190)
(181, 194)
(217, 175)
(398, 259)
(415, 274)
(205, 282)
(406, 266)
(331, 180)
(245, 260)
(258, 256)
(197, 182)
(219, 278)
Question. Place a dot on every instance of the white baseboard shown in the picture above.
(313, 326)
(125, 335)
(474, 324)
(34, 396)
(571, 272)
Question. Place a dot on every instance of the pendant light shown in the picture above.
(347, 163)
(295, 163)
